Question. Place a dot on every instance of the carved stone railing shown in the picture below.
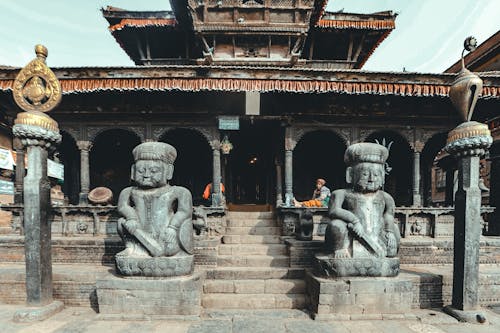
(96, 220)
(412, 221)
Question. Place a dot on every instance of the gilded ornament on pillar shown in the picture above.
(37, 90)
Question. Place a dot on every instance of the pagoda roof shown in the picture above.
(239, 78)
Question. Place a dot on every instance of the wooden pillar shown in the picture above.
(84, 147)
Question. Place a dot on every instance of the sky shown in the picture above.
(428, 37)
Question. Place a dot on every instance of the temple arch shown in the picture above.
(428, 157)
(114, 172)
(69, 156)
(193, 166)
(398, 182)
(318, 154)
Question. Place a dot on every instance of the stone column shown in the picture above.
(84, 147)
(288, 177)
(467, 143)
(279, 185)
(37, 227)
(216, 193)
(20, 172)
(417, 197)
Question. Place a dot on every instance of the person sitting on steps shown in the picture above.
(320, 197)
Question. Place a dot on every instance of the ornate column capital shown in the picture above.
(469, 139)
(84, 145)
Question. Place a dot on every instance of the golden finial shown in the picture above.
(41, 51)
(36, 88)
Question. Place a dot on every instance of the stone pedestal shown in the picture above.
(136, 297)
(182, 264)
(326, 266)
(335, 298)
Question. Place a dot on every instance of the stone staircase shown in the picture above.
(253, 267)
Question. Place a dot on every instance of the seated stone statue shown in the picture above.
(362, 231)
(156, 226)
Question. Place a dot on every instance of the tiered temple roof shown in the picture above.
(282, 33)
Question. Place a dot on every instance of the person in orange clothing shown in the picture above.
(320, 197)
(208, 190)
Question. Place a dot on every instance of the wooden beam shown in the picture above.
(351, 42)
(360, 46)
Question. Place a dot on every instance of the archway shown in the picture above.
(428, 156)
(318, 154)
(111, 159)
(69, 156)
(398, 182)
(193, 165)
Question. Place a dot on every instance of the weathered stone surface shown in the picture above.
(359, 295)
(327, 266)
(38, 313)
(362, 238)
(147, 296)
(155, 266)
(156, 220)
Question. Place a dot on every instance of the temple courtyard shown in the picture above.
(80, 320)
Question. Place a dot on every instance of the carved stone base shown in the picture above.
(182, 264)
(38, 313)
(358, 295)
(141, 296)
(326, 266)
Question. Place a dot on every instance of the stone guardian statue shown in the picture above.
(156, 224)
(361, 238)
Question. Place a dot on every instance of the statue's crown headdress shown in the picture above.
(366, 152)
(158, 151)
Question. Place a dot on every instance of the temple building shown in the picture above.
(261, 95)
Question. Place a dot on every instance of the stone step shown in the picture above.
(270, 286)
(254, 273)
(250, 215)
(251, 239)
(253, 231)
(242, 249)
(253, 261)
(237, 222)
(253, 301)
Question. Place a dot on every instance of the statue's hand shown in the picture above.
(131, 225)
(357, 228)
(391, 240)
(171, 243)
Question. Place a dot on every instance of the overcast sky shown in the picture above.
(428, 37)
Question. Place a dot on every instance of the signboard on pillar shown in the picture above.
(229, 123)
(252, 103)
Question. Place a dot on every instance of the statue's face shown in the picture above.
(150, 173)
(368, 177)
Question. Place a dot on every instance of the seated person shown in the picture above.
(208, 191)
(320, 197)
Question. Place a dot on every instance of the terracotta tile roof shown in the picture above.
(354, 24)
(141, 22)
(235, 85)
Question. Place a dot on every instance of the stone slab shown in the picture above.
(325, 265)
(155, 266)
(150, 296)
(359, 295)
(38, 313)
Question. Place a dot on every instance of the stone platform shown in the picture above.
(175, 296)
(326, 266)
(358, 295)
